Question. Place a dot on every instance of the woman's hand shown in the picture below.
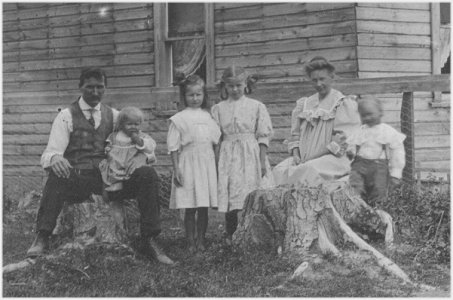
(263, 151)
(178, 179)
(296, 156)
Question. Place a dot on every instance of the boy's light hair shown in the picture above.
(370, 99)
(127, 113)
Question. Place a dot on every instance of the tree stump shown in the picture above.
(306, 220)
(96, 221)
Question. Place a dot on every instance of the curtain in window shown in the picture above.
(445, 42)
(188, 55)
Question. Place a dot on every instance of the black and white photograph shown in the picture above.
(226, 149)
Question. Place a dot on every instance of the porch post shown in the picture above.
(407, 127)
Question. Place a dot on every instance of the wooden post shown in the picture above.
(407, 127)
(435, 45)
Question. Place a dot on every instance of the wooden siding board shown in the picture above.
(389, 40)
(392, 53)
(281, 71)
(297, 32)
(386, 65)
(287, 58)
(284, 21)
(272, 9)
(82, 14)
(287, 45)
(396, 5)
(393, 15)
(410, 28)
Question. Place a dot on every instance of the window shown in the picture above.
(184, 41)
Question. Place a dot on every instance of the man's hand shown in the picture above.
(60, 166)
(179, 180)
(137, 161)
(263, 169)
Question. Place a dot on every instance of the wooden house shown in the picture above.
(143, 45)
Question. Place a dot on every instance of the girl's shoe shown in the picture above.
(201, 246)
(192, 249)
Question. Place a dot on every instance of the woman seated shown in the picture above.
(319, 127)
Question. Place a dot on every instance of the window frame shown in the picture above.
(162, 45)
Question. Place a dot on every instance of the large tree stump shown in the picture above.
(96, 221)
(306, 220)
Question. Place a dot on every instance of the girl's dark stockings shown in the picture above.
(196, 234)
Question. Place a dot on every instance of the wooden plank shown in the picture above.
(222, 6)
(148, 96)
(88, 50)
(119, 59)
(23, 150)
(74, 74)
(26, 160)
(433, 154)
(429, 141)
(389, 40)
(117, 82)
(393, 15)
(396, 5)
(291, 70)
(22, 170)
(210, 42)
(67, 42)
(276, 9)
(433, 175)
(435, 44)
(386, 27)
(273, 22)
(9, 129)
(387, 65)
(286, 33)
(299, 57)
(434, 166)
(393, 53)
(313, 43)
(390, 74)
(161, 49)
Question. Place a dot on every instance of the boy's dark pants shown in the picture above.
(370, 178)
(143, 185)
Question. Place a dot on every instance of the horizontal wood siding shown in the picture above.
(45, 45)
(273, 40)
(394, 39)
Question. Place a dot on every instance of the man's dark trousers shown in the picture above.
(143, 185)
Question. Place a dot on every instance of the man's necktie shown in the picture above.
(91, 119)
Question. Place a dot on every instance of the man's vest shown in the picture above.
(86, 144)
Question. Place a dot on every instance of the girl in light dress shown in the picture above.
(125, 148)
(246, 131)
(378, 153)
(191, 137)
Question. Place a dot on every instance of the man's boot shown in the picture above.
(154, 250)
(39, 245)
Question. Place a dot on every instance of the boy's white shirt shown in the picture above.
(62, 127)
(371, 149)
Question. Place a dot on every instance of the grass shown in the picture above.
(219, 272)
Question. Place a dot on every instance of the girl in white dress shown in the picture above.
(246, 131)
(191, 137)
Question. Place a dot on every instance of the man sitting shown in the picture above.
(72, 156)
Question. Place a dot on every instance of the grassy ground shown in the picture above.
(219, 272)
